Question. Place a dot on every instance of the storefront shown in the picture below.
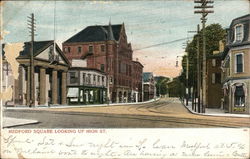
(86, 86)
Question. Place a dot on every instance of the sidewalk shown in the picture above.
(79, 106)
(11, 122)
(214, 112)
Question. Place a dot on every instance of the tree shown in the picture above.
(213, 33)
(161, 85)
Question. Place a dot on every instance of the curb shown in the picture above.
(83, 106)
(217, 115)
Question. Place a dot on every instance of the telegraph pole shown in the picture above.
(203, 6)
(198, 69)
(31, 26)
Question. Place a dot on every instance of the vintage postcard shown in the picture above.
(125, 79)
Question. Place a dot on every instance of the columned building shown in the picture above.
(105, 48)
(50, 75)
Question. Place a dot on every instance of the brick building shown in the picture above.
(137, 81)
(106, 48)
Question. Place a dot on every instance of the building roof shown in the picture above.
(245, 20)
(96, 33)
(138, 63)
(38, 47)
(146, 76)
(87, 69)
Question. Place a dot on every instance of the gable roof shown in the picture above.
(38, 47)
(95, 33)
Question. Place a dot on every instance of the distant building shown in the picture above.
(50, 75)
(236, 67)
(106, 48)
(86, 85)
(149, 89)
(137, 82)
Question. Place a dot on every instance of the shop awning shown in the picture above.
(73, 92)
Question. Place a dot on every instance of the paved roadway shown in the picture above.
(165, 113)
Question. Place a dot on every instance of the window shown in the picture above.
(94, 78)
(79, 49)
(73, 78)
(239, 32)
(90, 49)
(98, 79)
(239, 63)
(89, 79)
(83, 77)
(217, 78)
(111, 80)
(102, 67)
(213, 62)
(102, 48)
(102, 78)
(69, 49)
(239, 96)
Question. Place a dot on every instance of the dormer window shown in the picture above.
(238, 33)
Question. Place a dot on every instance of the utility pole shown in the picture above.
(203, 6)
(187, 74)
(31, 26)
(198, 68)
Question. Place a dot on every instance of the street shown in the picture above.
(165, 113)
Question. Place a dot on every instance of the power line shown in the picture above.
(164, 43)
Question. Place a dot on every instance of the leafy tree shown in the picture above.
(161, 85)
(213, 34)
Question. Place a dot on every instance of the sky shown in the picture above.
(146, 22)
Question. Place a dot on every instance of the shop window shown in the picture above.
(239, 96)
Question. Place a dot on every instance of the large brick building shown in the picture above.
(106, 48)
